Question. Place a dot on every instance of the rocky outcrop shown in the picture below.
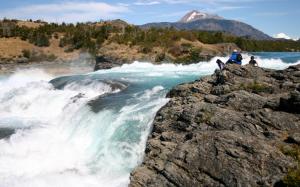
(183, 52)
(103, 62)
(239, 133)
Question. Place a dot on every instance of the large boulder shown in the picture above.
(240, 133)
(106, 62)
(102, 63)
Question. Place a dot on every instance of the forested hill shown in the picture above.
(165, 43)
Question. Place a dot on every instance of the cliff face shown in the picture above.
(245, 132)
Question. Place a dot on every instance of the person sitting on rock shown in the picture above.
(235, 58)
(253, 62)
(220, 64)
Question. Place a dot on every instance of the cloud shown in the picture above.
(272, 14)
(206, 5)
(284, 36)
(66, 11)
(147, 3)
(221, 8)
(170, 15)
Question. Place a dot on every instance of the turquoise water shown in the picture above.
(89, 129)
(287, 57)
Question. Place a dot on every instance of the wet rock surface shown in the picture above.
(6, 132)
(106, 62)
(231, 134)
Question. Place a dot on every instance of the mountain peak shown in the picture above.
(196, 15)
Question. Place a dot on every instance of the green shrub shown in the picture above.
(69, 50)
(26, 53)
(160, 57)
(256, 87)
(51, 57)
(292, 179)
(56, 36)
(146, 50)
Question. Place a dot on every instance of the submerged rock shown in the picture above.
(225, 135)
(6, 132)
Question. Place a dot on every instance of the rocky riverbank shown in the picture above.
(245, 132)
(183, 52)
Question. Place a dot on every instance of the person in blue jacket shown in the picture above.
(235, 58)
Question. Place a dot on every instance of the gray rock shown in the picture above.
(104, 62)
(6, 132)
(292, 103)
(294, 138)
(224, 135)
(22, 60)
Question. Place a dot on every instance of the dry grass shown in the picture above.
(29, 24)
(124, 52)
(58, 51)
(11, 48)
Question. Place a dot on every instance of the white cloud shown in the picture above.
(271, 14)
(284, 36)
(147, 3)
(66, 11)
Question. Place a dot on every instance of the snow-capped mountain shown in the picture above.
(196, 20)
(196, 15)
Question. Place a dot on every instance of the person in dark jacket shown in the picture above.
(220, 64)
(253, 62)
(235, 58)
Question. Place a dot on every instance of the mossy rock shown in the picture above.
(292, 179)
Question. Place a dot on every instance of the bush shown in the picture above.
(160, 57)
(175, 51)
(69, 50)
(56, 36)
(51, 57)
(26, 53)
(292, 179)
(146, 50)
(256, 87)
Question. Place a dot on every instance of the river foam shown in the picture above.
(61, 141)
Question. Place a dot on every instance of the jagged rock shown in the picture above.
(291, 104)
(225, 135)
(104, 62)
(294, 138)
(22, 60)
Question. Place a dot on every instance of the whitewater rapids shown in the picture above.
(85, 130)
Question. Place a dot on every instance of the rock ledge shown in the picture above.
(231, 134)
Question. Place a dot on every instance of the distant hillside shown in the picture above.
(201, 21)
(33, 41)
(120, 42)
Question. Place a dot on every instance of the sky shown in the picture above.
(274, 17)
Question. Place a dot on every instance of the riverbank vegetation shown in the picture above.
(91, 36)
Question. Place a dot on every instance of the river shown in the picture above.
(88, 129)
